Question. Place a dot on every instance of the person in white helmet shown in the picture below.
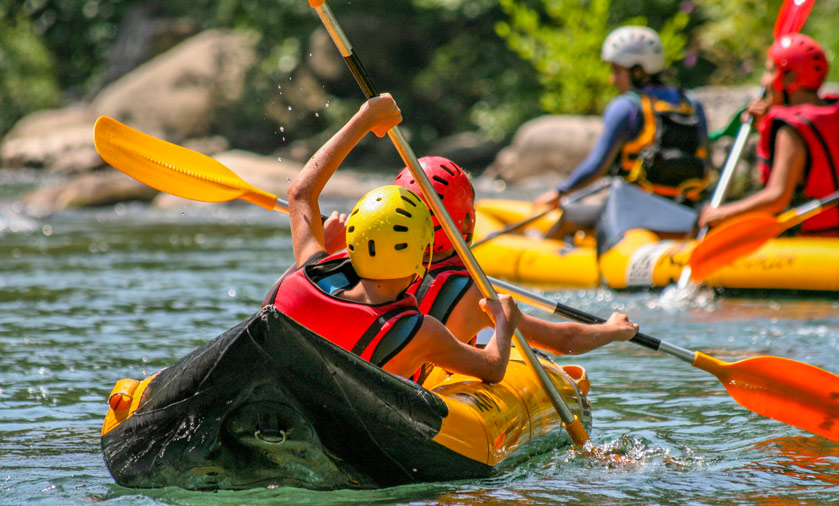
(654, 135)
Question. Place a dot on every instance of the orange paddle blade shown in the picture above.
(789, 391)
(792, 16)
(171, 168)
(725, 244)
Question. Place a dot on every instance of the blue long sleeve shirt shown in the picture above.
(622, 122)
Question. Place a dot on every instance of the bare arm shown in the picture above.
(434, 343)
(561, 338)
(787, 171)
(378, 115)
(567, 338)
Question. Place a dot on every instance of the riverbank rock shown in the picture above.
(177, 94)
(56, 140)
(550, 146)
(101, 188)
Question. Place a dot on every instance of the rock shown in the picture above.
(470, 150)
(58, 140)
(102, 188)
(142, 36)
(177, 94)
(551, 145)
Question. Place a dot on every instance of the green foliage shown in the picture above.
(562, 41)
(26, 66)
(453, 65)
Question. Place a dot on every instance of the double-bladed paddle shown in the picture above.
(745, 234)
(570, 421)
(789, 391)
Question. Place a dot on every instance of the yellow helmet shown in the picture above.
(388, 232)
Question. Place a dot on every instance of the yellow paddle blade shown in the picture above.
(791, 392)
(725, 244)
(171, 168)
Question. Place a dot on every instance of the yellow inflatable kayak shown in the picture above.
(641, 258)
(270, 403)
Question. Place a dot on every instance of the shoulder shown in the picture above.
(622, 108)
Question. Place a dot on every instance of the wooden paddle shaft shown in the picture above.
(571, 422)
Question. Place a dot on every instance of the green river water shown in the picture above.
(90, 297)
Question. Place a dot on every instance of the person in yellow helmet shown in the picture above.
(448, 293)
(357, 298)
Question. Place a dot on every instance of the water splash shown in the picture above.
(692, 296)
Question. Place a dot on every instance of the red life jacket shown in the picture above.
(442, 287)
(376, 333)
(818, 125)
(438, 292)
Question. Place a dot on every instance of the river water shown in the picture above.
(90, 297)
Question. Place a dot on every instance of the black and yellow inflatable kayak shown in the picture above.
(270, 403)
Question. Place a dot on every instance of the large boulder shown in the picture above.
(57, 140)
(178, 94)
(548, 145)
(101, 188)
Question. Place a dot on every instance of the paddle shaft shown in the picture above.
(805, 211)
(571, 422)
(574, 197)
(557, 308)
(721, 191)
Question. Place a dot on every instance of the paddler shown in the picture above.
(358, 299)
(798, 149)
(448, 293)
(654, 135)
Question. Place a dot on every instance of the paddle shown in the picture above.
(574, 197)
(791, 18)
(741, 236)
(789, 391)
(769, 386)
(571, 422)
(171, 168)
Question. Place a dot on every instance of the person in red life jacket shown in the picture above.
(798, 150)
(448, 293)
(357, 299)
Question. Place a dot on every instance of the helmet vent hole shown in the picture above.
(371, 248)
(403, 212)
(400, 228)
(378, 199)
(441, 180)
(401, 246)
(350, 247)
(406, 199)
(440, 195)
(354, 212)
(351, 229)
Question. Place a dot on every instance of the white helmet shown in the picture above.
(628, 46)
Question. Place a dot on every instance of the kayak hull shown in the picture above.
(269, 403)
(643, 259)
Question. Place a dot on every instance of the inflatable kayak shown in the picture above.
(640, 258)
(270, 403)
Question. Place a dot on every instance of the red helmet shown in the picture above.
(455, 191)
(802, 55)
